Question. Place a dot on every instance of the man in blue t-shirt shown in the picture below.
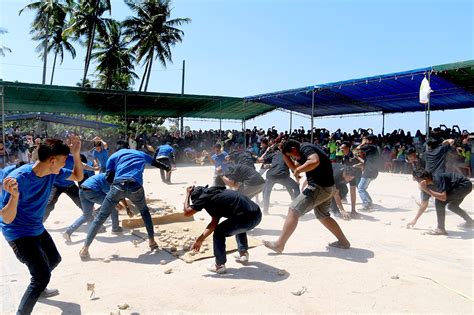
(21, 218)
(100, 153)
(93, 191)
(165, 154)
(125, 172)
(218, 159)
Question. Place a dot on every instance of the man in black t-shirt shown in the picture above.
(349, 160)
(449, 189)
(434, 161)
(242, 215)
(370, 171)
(309, 158)
(244, 179)
(278, 173)
(342, 176)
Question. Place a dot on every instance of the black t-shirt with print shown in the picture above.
(322, 174)
(227, 204)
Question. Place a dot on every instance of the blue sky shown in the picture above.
(243, 47)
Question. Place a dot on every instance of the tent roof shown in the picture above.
(65, 120)
(25, 97)
(453, 86)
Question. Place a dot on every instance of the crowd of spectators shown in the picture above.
(20, 147)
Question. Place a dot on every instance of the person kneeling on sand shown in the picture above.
(309, 158)
(448, 189)
(242, 215)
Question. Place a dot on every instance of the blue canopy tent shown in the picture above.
(453, 86)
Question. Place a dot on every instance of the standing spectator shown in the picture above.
(100, 153)
(371, 169)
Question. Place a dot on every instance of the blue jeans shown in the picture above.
(88, 199)
(362, 188)
(237, 226)
(118, 191)
(290, 185)
(40, 255)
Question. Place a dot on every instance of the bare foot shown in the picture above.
(84, 253)
(338, 244)
(273, 247)
(436, 232)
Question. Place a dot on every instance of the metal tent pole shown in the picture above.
(220, 116)
(3, 125)
(428, 108)
(383, 124)
(312, 117)
(125, 109)
(291, 121)
(181, 128)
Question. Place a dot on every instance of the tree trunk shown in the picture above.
(149, 71)
(54, 66)
(88, 54)
(89, 46)
(144, 76)
(45, 53)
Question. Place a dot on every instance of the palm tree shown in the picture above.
(41, 25)
(58, 41)
(4, 48)
(153, 32)
(114, 58)
(86, 21)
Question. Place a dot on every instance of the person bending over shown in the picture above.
(448, 189)
(242, 215)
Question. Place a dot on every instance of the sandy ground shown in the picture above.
(389, 269)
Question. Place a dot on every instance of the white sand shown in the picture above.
(381, 273)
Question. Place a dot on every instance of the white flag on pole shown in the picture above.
(425, 91)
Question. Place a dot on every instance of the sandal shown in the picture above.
(153, 246)
(338, 244)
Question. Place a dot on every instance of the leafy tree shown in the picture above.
(153, 33)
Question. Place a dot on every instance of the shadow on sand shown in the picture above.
(353, 254)
(253, 271)
(65, 307)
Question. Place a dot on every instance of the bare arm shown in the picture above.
(448, 141)
(231, 183)
(421, 210)
(75, 147)
(207, 231)
(311, 163)
(188, 210)
(8, 213)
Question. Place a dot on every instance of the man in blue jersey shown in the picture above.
(165, 154)
(218, 159)
(125, 172)
(93, 191)
(21, 218)
(7, 170)
(100, 153)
